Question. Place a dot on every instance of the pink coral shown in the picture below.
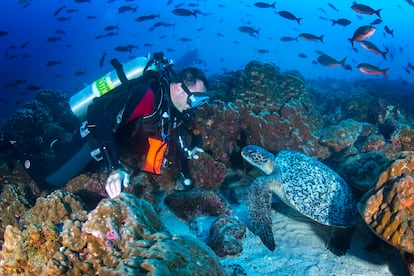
(112, 235)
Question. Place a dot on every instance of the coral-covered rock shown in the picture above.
(219, 126)
(343, 135)
(89, 187)
(167, 255)
(56, 207)
(15, 201)
(121, 236)
(197, 202)
(361, 170)
(403, 138)
(374, 142)
(123, 218)
(39, 122)
(72, 236)
(29, 250)
(206, 172)
(263, 107)
(225, 237)
(360, 107)
(226, 126)
(388, 208)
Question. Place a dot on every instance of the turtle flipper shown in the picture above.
(260, 207)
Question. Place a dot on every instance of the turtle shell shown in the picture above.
(314, 189)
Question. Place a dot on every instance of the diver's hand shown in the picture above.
(115, 180)
(193, 154)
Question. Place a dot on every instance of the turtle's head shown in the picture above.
(260, 158)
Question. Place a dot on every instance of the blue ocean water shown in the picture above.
(70, 36)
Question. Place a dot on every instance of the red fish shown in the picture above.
(373, 48)
(362, 32)
(370, 69)
(364, 9)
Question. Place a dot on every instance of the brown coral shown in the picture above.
(56, 207)
(206, 172)
(197, 202)
(226, 234)
(121, 236)
(14, 202)
(388, 208)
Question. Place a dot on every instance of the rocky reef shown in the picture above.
(123, 236)
(366, 137)
(226, 234)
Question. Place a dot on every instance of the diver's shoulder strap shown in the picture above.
(119, 70)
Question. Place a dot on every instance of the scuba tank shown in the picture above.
(133, 69)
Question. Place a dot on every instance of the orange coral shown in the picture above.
(388, 208)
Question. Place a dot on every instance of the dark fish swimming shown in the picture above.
(51, 63)
(146, 17)
(63, 18)
(364, 9)
(342, 21)
(288, 38)
(126, 48)
(376, 21)
(289, 15)
(329, 61)
(59, 10)
(164, 24)
(264, 5)
(370, 69)
(367, 45)
(3, 33)
(311, 37)
(24, 44)
(102, 59)
(123, 9)
(249, 30)
(54, 39)
(333, 7)
(361, 33)
(262, 51)
(388, 30)
(111, 27)
(80, 73)
(406, 70)
(184, 12)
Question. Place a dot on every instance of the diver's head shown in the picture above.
(189, 90)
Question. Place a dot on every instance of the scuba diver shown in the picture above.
(152, 109)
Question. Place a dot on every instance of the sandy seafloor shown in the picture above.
(300, 247)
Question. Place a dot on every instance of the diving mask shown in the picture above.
(195, 99)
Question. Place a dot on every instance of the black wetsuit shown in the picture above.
(135, 103)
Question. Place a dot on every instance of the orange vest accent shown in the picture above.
(155, 156)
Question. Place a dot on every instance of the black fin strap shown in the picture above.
(119, 70)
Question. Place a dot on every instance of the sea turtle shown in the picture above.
(302, 183)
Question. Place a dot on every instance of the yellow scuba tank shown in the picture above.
(80, 101)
